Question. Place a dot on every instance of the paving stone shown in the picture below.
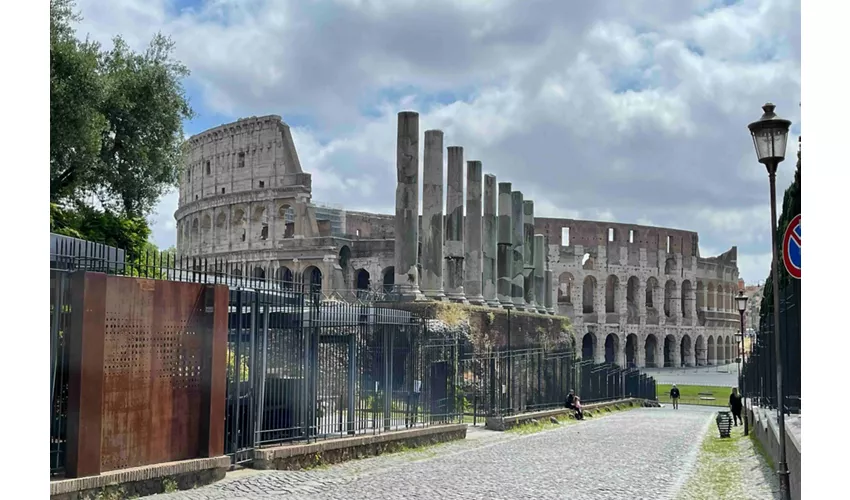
(645, 453)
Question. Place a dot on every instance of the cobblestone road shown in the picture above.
(639, 454)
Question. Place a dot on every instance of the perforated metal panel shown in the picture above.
(153, 365)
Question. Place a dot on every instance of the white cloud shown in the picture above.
(631, 110)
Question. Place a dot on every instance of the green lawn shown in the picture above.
(690, 394)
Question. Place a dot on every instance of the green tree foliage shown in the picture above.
(116, 133)
(116, 118)
(790, 209)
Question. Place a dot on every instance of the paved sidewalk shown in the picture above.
(640, 454)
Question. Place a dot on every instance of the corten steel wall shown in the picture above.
(147, 364)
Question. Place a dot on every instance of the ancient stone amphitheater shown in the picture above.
(636, 295)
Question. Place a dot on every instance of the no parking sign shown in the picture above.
(791, 248)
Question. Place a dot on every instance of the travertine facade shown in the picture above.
(635, 294)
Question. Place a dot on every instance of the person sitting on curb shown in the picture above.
(573, 403)
(674, 395)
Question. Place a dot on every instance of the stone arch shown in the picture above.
(362, 280)
(237, 272)
(221, 228)
(565, 288)
(284, 277)
(388, 279)
(711, 299)
(650, 349)
(699, 351)
(588, 293)
(686, 299)
(686, 351)
(587, 262)
(670, 298)
(632, 291)
(239, 225)
(196, 231)
(651, 286)
(730, 350)
(344, 257)
(312, 278)
(588, 346)
(612, 349)
(670, 265)
(711, 351)
(612, 293)
(631, 350)
(669, 350)
(285, 217)
(260, 223)
(700, 296)
(721, 298)
(259, 273)
(206, 230)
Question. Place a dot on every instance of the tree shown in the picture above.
(115, 120)
(791, 207)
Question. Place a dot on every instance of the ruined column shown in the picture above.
(407, 206)
(490, 236)
(472, 285)
(504, 252)
(547, 294)
(432, 216)
(453, 279)
(528, 252)
(539, 273)
(517, 238)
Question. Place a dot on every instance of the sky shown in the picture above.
(632, 111)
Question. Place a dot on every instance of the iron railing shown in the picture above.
(759, 371)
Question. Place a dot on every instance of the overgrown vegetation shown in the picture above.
(116, 133)
(790, 209)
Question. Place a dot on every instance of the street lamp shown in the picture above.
(741, 301)
(770, 136)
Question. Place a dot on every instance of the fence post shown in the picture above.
(214, 378)
(85, 374)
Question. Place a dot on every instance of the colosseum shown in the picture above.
(636, 295)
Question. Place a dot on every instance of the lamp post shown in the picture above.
(770, 136)
(741, 301)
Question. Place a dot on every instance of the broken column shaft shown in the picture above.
(432, 216)
(490, 235)
(539, 272)
(518, 235)
(528, 255)
(504, 252)
(407, 206)
(453, 278)
(472, 235)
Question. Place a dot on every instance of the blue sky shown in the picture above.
(626, 110)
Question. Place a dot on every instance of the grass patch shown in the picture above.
(544, 424)
(720, 467)
(690, 394)
(760, 449)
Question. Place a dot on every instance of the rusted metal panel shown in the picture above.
(214, 380)
(85, 374)
(154, 362)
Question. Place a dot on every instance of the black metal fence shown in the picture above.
(305, 365)
(512, 381)
(759, 372)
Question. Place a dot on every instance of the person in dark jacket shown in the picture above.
(735, 405)
(674, 395)
(574, 404)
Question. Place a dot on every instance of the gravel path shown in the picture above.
(641, 454)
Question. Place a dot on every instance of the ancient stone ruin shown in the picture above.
(635, 295)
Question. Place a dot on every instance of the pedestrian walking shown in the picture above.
(674, 395)
(735, 404)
